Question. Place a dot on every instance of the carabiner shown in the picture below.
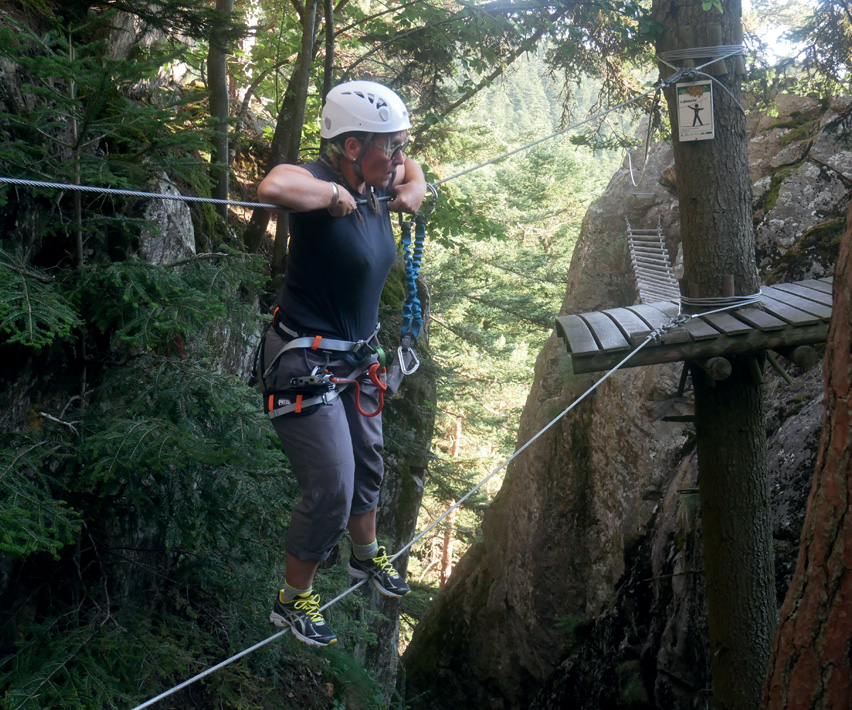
(401, 359)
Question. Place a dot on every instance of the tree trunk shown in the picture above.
(217, 83)
(328, 66)
(811, 660)
(716, 221)
(288, 134)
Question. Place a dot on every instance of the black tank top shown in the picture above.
(336, 268)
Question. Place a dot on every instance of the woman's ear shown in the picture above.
(352, 148)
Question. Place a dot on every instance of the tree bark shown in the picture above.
(811, 664)
(217, 80)
(328, 65)
(716, 220)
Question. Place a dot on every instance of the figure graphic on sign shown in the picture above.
(697, 118)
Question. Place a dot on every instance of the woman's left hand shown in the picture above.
(410, 190)
(407, 197)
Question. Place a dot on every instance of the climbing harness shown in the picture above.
(406, 361)
(320, 386)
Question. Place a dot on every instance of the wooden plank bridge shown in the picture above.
(790, 316)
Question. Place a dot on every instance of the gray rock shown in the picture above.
(172, 236)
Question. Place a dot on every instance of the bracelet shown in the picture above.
(335, 198)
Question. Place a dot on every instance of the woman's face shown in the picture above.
(382, 156)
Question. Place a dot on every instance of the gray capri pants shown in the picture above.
(335, 452)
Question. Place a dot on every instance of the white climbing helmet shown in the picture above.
(363, 106)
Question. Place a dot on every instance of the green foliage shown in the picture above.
(631, 687)
(78, 122)
(354, 687)
(160, 307)
(32, 518)
(497, 264)
(824, 36)
(145, 488)
(33, 309)
(143, 495)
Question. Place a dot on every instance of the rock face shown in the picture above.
(585, 590)
(173, 236)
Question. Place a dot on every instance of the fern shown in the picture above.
(33, 311)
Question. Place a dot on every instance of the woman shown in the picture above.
(340, 253)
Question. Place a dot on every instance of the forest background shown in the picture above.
(142, 496)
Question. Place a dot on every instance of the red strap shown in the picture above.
(271, 403)
(298, 409)
(316, 342)
(375, 375)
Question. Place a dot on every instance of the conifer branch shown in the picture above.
(43, 278)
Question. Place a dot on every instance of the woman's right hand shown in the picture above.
(345, 202)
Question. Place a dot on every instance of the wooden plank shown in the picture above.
(660, 314)
(633, 327)
(760, 319)
(816, 309)
(807, 293)
(668, 308)
(788, 314)
(606, 332)
(726, 323)
(576, 334)
(825, 285)
(700, 330)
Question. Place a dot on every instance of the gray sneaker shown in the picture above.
(303, 616)
(381, 572)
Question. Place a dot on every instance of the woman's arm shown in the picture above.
(409, 188)
(296, 190)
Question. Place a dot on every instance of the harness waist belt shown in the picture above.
(317, 342)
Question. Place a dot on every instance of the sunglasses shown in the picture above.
(391, 151)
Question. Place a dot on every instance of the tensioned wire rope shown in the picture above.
(722, 305)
